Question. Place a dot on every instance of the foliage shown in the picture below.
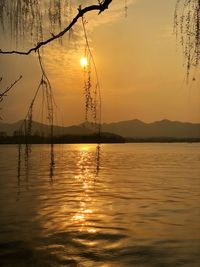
(187, 28)
(33, 16)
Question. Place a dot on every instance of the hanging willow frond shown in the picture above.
(32, 17)
(187, 29)
(20, 27)
(92, 90)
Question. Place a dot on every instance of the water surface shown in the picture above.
(117, 205)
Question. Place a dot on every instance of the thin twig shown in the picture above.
(9, 88)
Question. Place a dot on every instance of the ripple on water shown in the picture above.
(140, 209)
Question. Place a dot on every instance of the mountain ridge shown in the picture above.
(129, 129)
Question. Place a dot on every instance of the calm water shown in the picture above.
(135, 205)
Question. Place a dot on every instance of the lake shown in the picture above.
(113, 205)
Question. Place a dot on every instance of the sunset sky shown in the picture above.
(139, 62)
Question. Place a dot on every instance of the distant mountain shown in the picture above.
(163, 128)
(127, 129)
(43, 129)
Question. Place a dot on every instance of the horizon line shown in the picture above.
(111, 122)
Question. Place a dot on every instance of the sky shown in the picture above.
(139, 61)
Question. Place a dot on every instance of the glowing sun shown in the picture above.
(84, 62)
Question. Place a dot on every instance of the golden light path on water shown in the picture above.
(81, 216)
(86, 177)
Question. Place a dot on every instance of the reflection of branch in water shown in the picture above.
(98, 158)
(26, 164)
(19, 170)
(28, 132)
(52, 163)
(27, 147)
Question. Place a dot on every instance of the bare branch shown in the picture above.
(2, 95)
(100, 7)
(9, 88)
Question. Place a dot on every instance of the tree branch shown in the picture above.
(100, 7)
(9, 88)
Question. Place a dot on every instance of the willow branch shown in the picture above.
(100, 7)
(9, 88)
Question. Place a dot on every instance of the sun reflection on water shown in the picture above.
(86, 177)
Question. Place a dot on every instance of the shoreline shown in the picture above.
(105, 142)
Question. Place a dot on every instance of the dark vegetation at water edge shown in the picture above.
(91, 139)
(66, 139)
(162, 140)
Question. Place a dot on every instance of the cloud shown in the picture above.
(64, 59)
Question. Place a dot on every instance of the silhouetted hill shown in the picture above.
(43, 129)
(164, 128)
(128, 129)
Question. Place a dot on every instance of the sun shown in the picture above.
(84, 62)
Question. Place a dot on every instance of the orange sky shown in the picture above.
(139, 63)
